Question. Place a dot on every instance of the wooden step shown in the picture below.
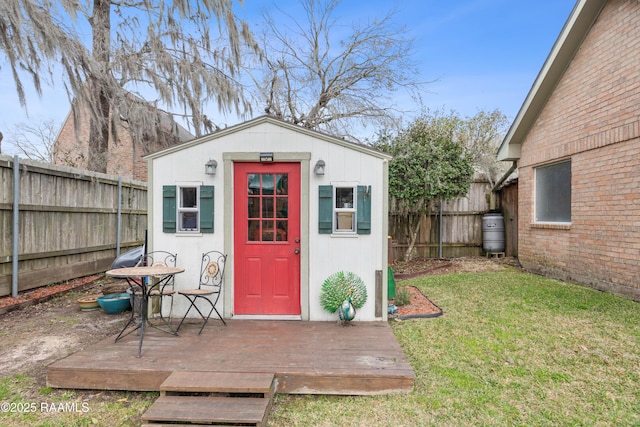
(231, 383)
(207, 410)
(184, 425)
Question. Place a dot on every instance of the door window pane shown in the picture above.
(282, 184)
(267, 207)
(253, 207)
(282, 207)
(267, 183)
(253, 231)
(282, 230)
(267, 231)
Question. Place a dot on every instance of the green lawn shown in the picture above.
(511, 349)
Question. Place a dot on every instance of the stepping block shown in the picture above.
(232, 383)
(198, 410)
(495, 254)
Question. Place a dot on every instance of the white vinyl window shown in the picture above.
(553, 193)
(344, 210)
(188, 209)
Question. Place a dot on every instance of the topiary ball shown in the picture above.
(339, 287)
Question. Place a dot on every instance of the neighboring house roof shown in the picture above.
(171, 126)
(278, 122)
(166, 123)
(584, 14)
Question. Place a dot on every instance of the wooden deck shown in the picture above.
(305, 357)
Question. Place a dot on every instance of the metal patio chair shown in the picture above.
(167, 289)
(209, 287)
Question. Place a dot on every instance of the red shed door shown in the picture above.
(267, 238)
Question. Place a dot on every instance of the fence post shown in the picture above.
(440, 233)
(16, 223)
(119, 220)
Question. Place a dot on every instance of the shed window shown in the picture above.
(553, 193)
(344, 209)
(188, 209)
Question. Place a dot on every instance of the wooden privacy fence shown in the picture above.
(67, 224)
(461, 227)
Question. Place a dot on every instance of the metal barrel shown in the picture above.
(493, 232)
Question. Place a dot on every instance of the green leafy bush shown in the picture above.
(338, 287)
(403, 297)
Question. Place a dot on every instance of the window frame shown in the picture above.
(180, 209)
(353, 210)
(536, 195)
(326, 213)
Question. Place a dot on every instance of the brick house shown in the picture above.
(576, 143)
(71, 147)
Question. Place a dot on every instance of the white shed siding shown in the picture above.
(361, 254)
(327, 254)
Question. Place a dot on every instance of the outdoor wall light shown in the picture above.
(210, 167)
(319, 169)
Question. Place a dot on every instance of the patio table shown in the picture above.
(145, 275)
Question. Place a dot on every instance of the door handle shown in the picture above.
(296, 251)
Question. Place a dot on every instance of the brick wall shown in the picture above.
(124, 157)
(592, 118)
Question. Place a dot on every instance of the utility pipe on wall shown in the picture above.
(16, 223)
(507, 174)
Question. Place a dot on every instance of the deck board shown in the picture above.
(306, 357)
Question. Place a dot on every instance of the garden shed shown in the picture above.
(287, 205)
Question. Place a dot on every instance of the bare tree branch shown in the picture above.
(319, 81)
(34, 140)
(182, 54)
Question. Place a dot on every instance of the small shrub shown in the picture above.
(403, 297)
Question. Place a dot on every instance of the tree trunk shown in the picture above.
(99, 119)
(414, 228)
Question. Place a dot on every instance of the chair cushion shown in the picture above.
(156, 292)
(196, 292)
(212, 269)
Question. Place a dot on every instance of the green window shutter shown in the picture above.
(169, 209)
(206, 208)
(364, 209)
(325, 209)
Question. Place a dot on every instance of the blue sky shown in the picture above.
(478, 54)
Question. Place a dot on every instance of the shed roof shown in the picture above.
(365, 149)
(582, 17)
